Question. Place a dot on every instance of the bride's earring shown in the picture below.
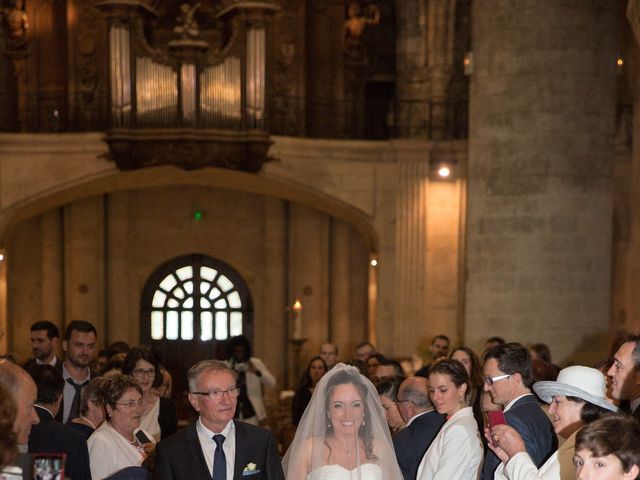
(329, 421)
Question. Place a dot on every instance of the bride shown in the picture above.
(343, 434)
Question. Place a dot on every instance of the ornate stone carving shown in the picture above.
(90, 87)
(288, 111)
(188, 149)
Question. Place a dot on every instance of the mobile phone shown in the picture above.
(142, 438)
(496, 417)
(48, 465)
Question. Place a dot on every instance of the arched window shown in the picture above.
(195, 301)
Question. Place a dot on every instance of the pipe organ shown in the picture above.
(186, 92)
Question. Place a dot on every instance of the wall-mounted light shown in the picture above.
(374, 262)
(620, 64)
(443, 162)
(467, 63)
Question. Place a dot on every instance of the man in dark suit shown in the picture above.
(50, 436)
(79, 346)
(423, 424)
(507, 378)
(217, 446)
(44, 342)
(625, 375)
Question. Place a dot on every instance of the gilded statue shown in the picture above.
(187, 26)
(355, 24)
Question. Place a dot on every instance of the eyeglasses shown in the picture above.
(217, 394)
(397, 400)
(143, 371)
(131, 403)
(491, 380)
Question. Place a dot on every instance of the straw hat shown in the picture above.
(585, 383)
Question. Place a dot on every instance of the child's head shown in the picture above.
(608, 449)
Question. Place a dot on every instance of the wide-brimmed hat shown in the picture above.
(585, 383)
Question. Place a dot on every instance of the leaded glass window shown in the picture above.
(196, 298)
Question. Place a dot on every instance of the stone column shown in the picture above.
(309, 273)
(340, 292)
(84, 262)
(122, 323)
(626, 304)
(271, 331)
(411, 253)
(52, 269)
(542, 114)
(411, 82)
(441, 40)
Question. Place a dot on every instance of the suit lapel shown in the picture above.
(241, 448)
(195, 449)
(43, 414)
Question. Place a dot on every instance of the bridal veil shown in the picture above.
(310, 455)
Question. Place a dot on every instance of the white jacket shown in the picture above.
(254, 386)
(456, 452)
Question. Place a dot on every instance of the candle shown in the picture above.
(297, 320)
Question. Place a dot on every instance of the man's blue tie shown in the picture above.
(219, 459)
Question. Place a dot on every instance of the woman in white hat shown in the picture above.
(576, 398)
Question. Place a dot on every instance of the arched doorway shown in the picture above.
(191, 305)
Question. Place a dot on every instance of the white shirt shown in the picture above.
(110, 452)
(53, 362)
(209, 446)
(416, 416)
(149, 421)
(69, 393)
(510, 404)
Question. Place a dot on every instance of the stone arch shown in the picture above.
(215, 177)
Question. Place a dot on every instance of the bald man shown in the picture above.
(25, 394)
(423, 424)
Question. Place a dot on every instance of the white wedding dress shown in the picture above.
(368, 471)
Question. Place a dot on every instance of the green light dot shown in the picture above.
(197, 215)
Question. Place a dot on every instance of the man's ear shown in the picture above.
(517, 376)
(64, 345)
(632, 474)
(193, 400)
(58, 404)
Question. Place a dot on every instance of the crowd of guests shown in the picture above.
(507, 414)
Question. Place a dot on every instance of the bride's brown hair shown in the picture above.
(364, 432)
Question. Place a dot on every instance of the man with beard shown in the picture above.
(79, 346)
(44, 342)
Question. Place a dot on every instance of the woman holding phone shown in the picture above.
(456, 452)
(119, 442)
(576, 398)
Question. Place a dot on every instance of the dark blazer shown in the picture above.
(167, 417)
(50, 436)
(636, 414)
(412, 442)
(536, 430)
(32, 362)
(301, 399)
(180, 457)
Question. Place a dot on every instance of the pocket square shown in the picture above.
(248, 473)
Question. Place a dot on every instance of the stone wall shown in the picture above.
(540, 163)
